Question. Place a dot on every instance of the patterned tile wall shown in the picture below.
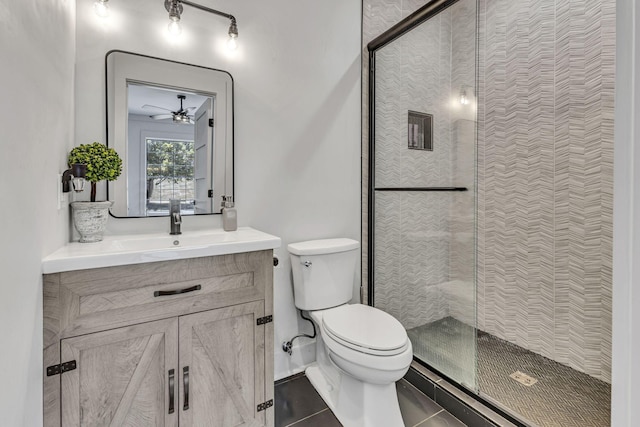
(545, 177)
(413, 239)
(420, 234)
(414, 73)
(461, 290)
(377, 17)
(411, 257)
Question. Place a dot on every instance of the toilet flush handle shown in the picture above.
(306, 263)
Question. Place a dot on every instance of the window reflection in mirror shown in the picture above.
(173, 124)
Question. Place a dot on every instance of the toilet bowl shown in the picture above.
(367, 343)
(361, 351)
(358, 363)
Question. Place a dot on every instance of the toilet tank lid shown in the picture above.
(321, 247)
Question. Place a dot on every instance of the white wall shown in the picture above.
(626, 221)
(36, 124)
(297, 115)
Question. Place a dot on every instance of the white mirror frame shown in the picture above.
(124, 67)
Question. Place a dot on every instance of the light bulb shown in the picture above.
(174, 27)
(232, 43)
(101, 8)
(463, 98)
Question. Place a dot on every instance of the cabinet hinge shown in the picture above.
(59, 369)
(210, 194)
(265, 405)
(210, 123)
(265, 319)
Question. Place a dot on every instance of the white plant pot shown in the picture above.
(90, 219)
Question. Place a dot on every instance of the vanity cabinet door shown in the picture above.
(222, 360)
(123, 377)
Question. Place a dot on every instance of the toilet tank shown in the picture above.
(323, 272)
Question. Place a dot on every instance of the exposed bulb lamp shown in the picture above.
(232, 43)
(174, 27)
(175, 8)
(464, 98)
(74, 175)
(101, 8)
(175, 11)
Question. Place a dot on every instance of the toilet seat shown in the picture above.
(365, 329)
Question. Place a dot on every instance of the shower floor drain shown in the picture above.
(523, 378)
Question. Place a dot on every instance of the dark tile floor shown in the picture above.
(562, 397)
(298, 404)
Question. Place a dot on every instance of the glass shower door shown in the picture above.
(423, 196)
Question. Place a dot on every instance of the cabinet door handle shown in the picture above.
(177, 291)
(172, 386)
(185, 384)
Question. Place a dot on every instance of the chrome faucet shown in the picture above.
(174, 213)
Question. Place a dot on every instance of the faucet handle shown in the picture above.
(174, 205)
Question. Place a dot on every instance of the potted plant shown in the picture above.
(103, 163)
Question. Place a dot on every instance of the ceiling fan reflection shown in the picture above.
(180, 116)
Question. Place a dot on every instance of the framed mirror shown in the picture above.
(172, 124)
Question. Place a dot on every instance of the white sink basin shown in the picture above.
(140, 248)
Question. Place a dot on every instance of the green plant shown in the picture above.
(102, 163)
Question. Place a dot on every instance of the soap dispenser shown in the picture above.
(229, 214)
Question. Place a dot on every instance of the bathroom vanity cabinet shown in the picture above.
(172, 343)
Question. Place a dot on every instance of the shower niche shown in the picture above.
(420, 131)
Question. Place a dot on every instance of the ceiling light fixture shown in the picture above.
(101, 8)
(175, 8)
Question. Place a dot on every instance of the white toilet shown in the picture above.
(360, 351)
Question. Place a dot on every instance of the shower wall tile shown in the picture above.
(462, 297)
(545, 177)
(410, 6)
(411, 265)
(436, 241)
(461, 211)
(407, 78)
(539, 177)
(608, 49)
(387, 256)
(377, 16)
(481, 153)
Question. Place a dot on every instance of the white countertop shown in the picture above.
(141, 248)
